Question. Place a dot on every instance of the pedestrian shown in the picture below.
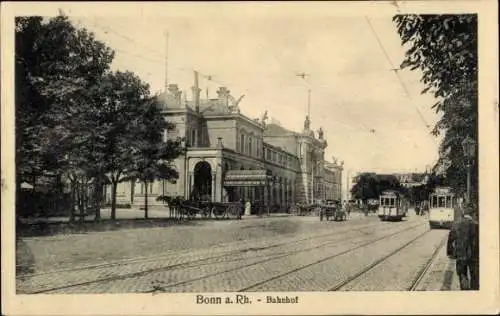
(248, 208)
(463, 246)
(347, 209)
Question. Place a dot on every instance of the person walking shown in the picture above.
(347, 209)
(463, 246)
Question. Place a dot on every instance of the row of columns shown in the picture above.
(282, 194)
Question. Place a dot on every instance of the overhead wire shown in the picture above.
(310, 86)
(108, 29)
(393, 68)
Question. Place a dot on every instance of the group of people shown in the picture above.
(421, 208)
(463, 246)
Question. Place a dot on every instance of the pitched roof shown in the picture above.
(277, 130)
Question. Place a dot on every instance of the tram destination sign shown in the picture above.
(443, 190)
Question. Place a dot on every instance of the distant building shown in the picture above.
(231, 157)
(409, 180)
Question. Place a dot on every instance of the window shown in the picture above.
(171, 133)
(441, 201)
(250, 146)
(388, 202)
(449, 202)
(242, 143)
(193, 137)
(434, 201)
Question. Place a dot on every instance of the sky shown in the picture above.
(369, 121)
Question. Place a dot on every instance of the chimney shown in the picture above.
(196, 92)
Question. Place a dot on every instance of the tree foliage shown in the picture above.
(56, 65)
(370, 185)
(76, 118)
(444, 48)
(153, 157)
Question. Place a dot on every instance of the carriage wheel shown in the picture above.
(191, 214)
(206, 212)
(230, 212)
(218, 214)
(235, 212)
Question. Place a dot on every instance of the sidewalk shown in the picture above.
(155, 212)
(254, 216)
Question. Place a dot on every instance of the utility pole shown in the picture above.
(166, 61)
(209, 78)
(312, 183)
(309, 103)
(347, 185)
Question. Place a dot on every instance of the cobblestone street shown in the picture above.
(255, 254)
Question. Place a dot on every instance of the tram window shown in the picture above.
(442, 201)
(393, 202)
(449, 202)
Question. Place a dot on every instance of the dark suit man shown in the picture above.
(463, 245)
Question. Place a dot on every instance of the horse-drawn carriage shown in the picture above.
(332, 209)
(301, 209)
(189, 209)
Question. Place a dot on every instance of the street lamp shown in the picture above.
(469, 149)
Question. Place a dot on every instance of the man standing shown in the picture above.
(463, 245)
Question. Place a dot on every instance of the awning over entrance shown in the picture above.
(247, 178)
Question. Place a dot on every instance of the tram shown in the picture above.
(442, 204)
(392, 206)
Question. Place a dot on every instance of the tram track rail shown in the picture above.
(302, 267)
(189, 264)
(145, 259)
(415, 281)
(427, 267)
(206, 261)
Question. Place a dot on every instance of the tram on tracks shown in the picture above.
(393, 205)
(442, 204)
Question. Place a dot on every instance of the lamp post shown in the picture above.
(469, 149)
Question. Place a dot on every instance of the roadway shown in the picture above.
(250, 255)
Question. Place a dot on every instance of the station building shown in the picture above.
(231, 157)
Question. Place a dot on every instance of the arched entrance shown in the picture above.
(202, 188)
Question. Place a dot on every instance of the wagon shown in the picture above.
(304, 209)
(190, 209)
(332, 209)
(229, 210)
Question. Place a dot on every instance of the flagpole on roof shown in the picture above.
(166, 60)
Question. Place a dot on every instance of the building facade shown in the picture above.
(231, 157)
